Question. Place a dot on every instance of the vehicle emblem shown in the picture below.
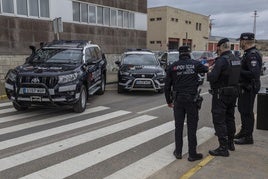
(35, 80)
(143, 76)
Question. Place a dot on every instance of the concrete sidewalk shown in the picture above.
(247, 161)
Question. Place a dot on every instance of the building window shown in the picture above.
(158, 42)
(131, 20)
(120, 18)
(172, 19)
(76, 11)
(92, 14)
(113, 17)
(44, 8)
(33, 5)
(198, 26)
(177, 20)
(84, 12)
(100, 15)
(106, 14)
(151, 42)
(152, 19)
(8, 6)
(159, 19)
(125, 19)
(22, 7)
(186, 22)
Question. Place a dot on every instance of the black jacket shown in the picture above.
(251, 65)
(182, 77)
(219, 75)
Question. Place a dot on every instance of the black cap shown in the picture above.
(222, 41)
(184, 49)
(247, 36)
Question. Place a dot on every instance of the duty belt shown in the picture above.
(230, 90)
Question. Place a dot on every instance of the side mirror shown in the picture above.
(117, 63)
(33, 48)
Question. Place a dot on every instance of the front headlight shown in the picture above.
(124, 73)
(161, 73)
(12, 76)
(67, 78)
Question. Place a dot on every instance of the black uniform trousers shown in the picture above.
(184, 105)
(223, 109)
(245, 106)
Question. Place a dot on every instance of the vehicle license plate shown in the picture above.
(34, 90)
(143, 82)
(36, 98)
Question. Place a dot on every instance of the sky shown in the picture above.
(229, 18)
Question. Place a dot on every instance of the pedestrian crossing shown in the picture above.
(90, 140)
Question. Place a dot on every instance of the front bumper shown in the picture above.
(142, 84)
(40, 93)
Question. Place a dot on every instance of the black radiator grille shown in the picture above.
(50, 82)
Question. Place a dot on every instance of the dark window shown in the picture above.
(152, 19)
(159, 19)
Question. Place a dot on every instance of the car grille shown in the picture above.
(143, 75)
(50, 82)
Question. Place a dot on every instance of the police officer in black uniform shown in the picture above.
(182, 83)
(250, 85)
(224, 78)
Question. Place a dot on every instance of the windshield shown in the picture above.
(197, 55)
(172, 57)
(140, 59)
(57, 56)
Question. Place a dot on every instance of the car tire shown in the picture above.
(120, 89)
(81, 104)
(19, 107)
(102, 85)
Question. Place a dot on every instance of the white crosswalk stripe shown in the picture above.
(111, 123)
(48, 120)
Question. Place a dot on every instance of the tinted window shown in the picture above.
(140, 59)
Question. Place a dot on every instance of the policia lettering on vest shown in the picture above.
(224, 78)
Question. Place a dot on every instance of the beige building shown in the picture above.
(169, 28)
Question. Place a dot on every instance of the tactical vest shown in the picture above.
(233, 69)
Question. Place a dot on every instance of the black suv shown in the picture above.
(140, 70)
(59, 73)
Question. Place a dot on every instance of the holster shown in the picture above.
(198, 101)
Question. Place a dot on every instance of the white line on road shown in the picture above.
(49, 120)
(61, 129)
(89, 159)
(5, 104)
(46, 150)
(159, 159)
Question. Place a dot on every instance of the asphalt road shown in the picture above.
(127, 135)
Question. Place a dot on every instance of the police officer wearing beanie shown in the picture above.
(224, 78)
(250, 85)
(181, 87)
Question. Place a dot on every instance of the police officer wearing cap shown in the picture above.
(224, 78)
(250, 85)
(181, 87)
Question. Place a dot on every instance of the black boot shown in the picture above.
(222, 150)
(240, 134)
(244, 140)
(177, 155)
(194, 157)
(231, 144)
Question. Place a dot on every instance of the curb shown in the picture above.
(2, 97)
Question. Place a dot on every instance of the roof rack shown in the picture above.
(68, 43)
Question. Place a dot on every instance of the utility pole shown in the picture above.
(210, 26)
(254, 26)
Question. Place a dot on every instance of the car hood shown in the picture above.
(141, 68)
(45, 68)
